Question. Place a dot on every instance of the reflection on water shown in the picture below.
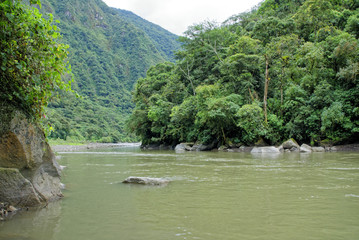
(211, 195)
(41, 223)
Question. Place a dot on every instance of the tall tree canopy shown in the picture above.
(286, 69)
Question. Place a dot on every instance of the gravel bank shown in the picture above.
(74, 148)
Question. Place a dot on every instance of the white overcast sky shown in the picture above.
(176, 15)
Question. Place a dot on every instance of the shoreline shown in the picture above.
(73, 148)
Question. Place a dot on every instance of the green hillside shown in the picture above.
(109, 50)
(163, 39)
(288, 69)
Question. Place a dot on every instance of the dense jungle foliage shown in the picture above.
(287, 69)
(32, 61)
(109, 49)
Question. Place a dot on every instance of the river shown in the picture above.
(212, 195)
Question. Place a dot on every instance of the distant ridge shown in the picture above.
(154, 31)
(109, 50)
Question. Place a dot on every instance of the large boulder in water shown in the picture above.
(305, 148)
(205, 147)
(182, 147)
(195, 147)
(291, 144)
(27, 162)
(146, 181)
(265, 150)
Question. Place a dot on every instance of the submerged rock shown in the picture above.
(146, 181)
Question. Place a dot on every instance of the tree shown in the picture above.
(313, 15)
(353, 25)
(182, 120)
(335, 124)
(203, 51)
(282, 52)
(268, 28)
(266, 86)
(155, 96)
(33, 64)
(218, 114)
(259, 76)
(242, 69)
(251, 121)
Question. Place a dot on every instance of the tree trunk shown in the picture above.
(224, 136)
(281, 92)
(266, 83)
(189, 77)
(250, 94)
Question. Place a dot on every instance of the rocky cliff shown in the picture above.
(29, 173)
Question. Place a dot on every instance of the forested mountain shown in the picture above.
(289, 68)
(109, 49)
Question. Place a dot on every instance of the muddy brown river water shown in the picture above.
(211, 195)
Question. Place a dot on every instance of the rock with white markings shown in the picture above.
(146, 181)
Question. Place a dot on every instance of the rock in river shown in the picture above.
(291, 144)
(305, 148)
(265, 150)
(146, 181)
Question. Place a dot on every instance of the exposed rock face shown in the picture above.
(146, 181)
(29, 174)
(15, 188)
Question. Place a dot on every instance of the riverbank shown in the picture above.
(186, 147)
(287, 146)
(71, 148)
